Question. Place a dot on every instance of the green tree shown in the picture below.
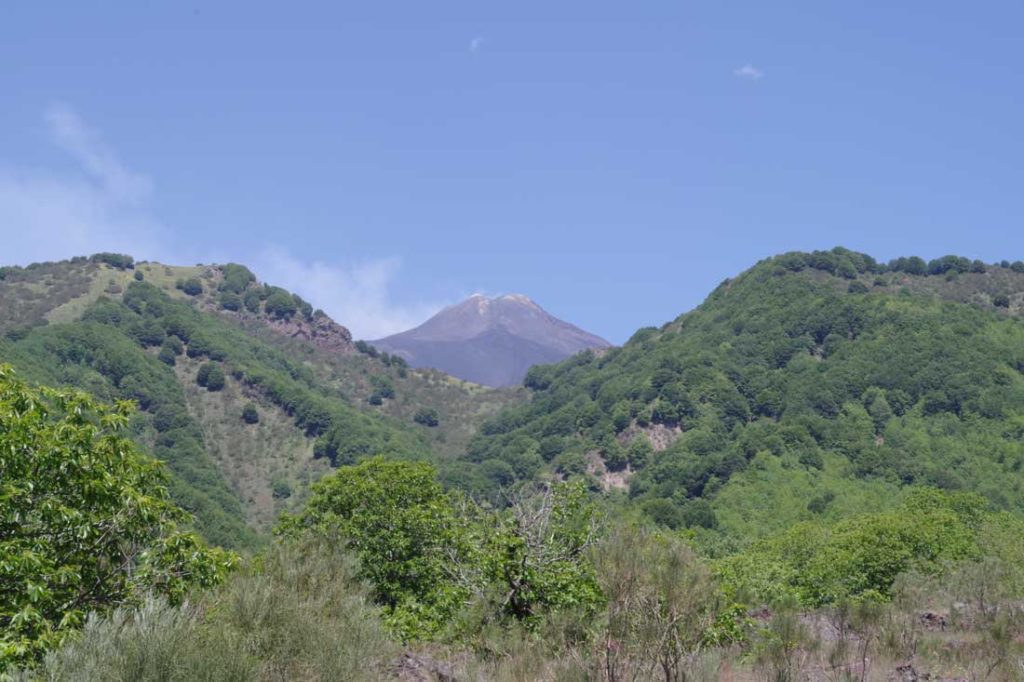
(85, 520)
(402, 525)
(535, 554)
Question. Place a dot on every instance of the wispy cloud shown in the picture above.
(475, 44)
(356, 295)
(96, 205)
(749, 72)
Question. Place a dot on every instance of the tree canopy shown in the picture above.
(86, 523)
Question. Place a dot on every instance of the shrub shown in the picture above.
(250, 415)
(252, 301)
(427, 416)
(210, 376)
(280, 305)
(383, 386)
(174, 345)
(167, 356)
(115, 260)
(230, 301)
(235, 278)
(280, 489)
(191, 286)
(300, 612)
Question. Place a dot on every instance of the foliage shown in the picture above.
(235, 278)
(427, 416)
(280, 305)
(800, 376)
(85, 520)
(210, 376)
(250, 415)
(191, 286)
(300, 612)
(861, 557)
(535, 553)
(115, 260)
(427, 553)
(401, 525)
(97, 355)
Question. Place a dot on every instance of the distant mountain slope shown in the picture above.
(490, 341)
(144, 331)
(812, 384)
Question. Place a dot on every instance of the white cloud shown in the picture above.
(357, 296)
(475, 44)
(99, 205)
(748, 71)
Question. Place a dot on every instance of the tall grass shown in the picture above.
(298, 614)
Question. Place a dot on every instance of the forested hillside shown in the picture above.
(244, 390)
(813, 386)
(816, 474)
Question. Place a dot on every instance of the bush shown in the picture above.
(861, 557)
(115, 260)
(250, 415)
(281, 490)
(383, 386)
(235, 278)
(1001, 301)
(252, 301)
(230, 301)
(138, 276)
(191, 286)
(300, 612)
(174, 345)
(427, 416)
(280, 305)
(210, 376)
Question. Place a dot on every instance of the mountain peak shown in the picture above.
(490, 340)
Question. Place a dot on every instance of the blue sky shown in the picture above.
(614, 161)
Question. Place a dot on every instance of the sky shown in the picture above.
(614, 161)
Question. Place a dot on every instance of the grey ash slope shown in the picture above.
(490, 341)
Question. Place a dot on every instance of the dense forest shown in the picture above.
(816, 474)
(815, 385)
